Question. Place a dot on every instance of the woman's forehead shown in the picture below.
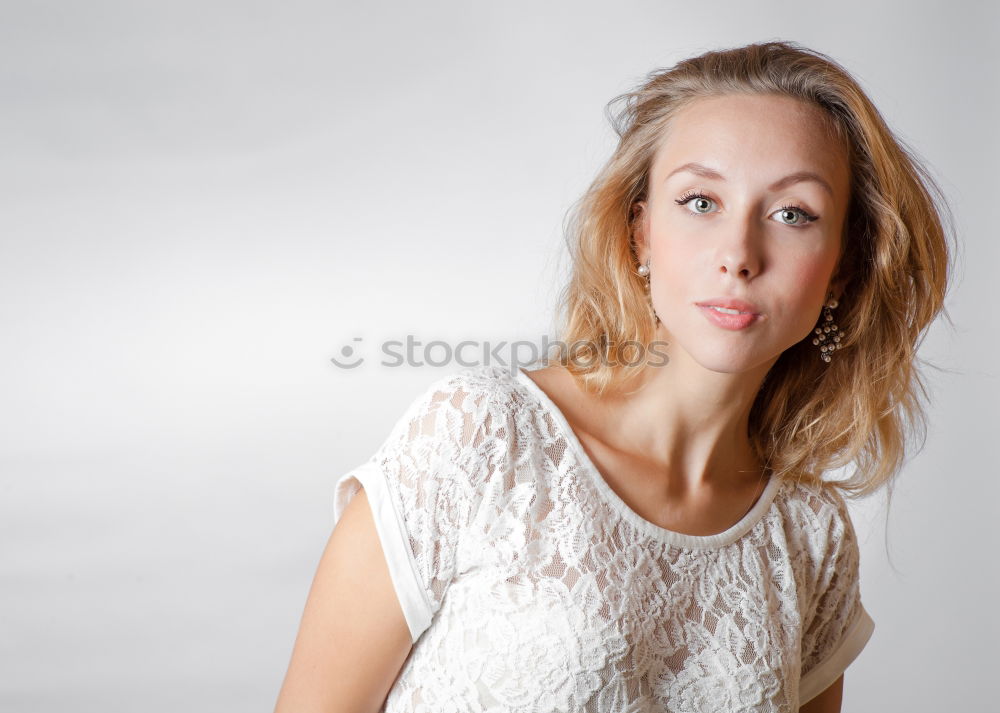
(750, 137)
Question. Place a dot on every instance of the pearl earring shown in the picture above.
(827, 336)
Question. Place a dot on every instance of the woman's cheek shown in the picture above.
(811, 275)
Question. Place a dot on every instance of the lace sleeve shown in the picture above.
(840, 627)
(420, 491)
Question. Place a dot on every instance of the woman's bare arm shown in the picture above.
(828, 701)
(353, 638)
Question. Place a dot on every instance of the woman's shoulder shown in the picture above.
(816, 514)
(470, 405)
(455, 424)
(489, 386)
(822, 499)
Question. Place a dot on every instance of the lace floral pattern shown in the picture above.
(529, 585)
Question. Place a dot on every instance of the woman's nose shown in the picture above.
(739, 253)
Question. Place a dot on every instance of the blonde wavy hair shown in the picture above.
(809, 416)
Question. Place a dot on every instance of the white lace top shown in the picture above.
(529, 585)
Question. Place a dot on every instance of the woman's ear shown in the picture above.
(837, 283)
(637, 226)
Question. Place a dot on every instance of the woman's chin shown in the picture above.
(728, 360)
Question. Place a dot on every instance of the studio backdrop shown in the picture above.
(238, 239)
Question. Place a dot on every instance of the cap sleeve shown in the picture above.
(839, 627)
(419, 487)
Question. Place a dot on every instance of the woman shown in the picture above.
(630, 529)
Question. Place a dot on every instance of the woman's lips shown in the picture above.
(729, 317)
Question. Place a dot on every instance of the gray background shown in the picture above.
(201, 203)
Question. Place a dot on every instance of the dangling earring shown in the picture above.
(827, 336)
(644, 272)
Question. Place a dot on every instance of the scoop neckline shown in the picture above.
(719, 539)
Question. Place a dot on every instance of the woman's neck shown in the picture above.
(685, 421)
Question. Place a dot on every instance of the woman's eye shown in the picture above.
(698, 203)
(794, 216)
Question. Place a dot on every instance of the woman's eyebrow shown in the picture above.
(710, 173)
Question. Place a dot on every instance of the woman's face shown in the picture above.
(747, 202)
